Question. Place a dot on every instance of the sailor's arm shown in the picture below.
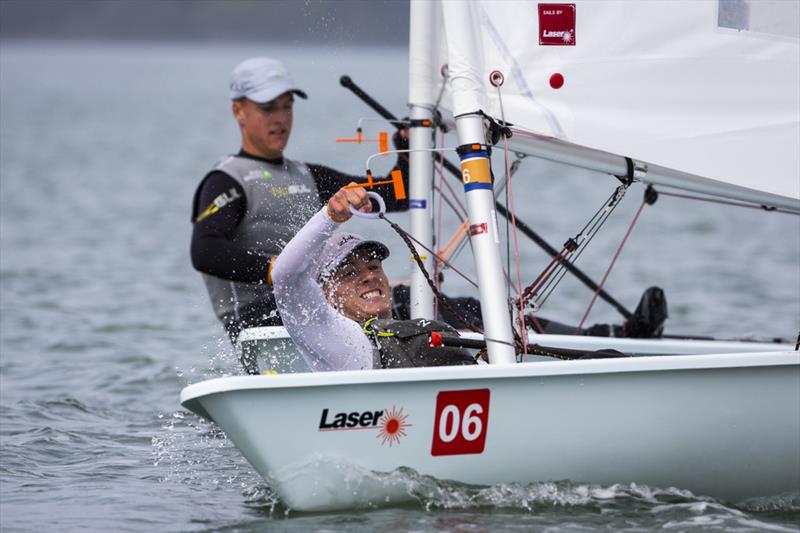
(219, 207)
(327, 339)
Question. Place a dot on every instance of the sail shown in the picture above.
(709, 88)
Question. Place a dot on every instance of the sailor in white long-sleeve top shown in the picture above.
(336, 303)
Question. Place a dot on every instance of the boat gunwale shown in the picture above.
(192, 392)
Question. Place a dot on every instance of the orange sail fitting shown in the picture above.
(397, 184)
(454, 241)
(382, 140)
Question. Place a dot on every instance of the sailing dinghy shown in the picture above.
(700, 96)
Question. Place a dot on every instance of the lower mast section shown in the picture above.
(484, 235)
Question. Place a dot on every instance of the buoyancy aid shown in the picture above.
(405, 344)
(280, 200)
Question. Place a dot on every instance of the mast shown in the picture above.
(421, 99)
(469, 99)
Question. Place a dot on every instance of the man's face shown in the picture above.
(265, 127)
(359, 289)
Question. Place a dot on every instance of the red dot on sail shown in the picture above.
(556, 81)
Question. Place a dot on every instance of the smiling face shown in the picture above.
(265, 127)
(359, 289)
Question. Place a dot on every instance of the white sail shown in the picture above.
(703, 87)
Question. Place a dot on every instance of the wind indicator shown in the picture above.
(382, 140)
(398, 186)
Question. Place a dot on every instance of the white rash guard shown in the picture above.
(327, 339)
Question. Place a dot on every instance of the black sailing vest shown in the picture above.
(405, 344)
(280, 200)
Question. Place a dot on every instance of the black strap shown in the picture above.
(628, 178)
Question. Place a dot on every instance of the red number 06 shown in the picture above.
(460, 422)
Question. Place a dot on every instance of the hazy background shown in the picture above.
(291, 21)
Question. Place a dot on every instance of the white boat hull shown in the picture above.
(723, 425)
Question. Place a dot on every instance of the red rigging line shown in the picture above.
(611, 265)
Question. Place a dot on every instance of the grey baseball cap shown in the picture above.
(339, 247)
(262, 79)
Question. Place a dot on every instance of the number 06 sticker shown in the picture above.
(461, 421)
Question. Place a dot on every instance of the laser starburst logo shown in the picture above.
(392, 426)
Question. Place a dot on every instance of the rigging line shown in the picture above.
(618, 195)
(548, 290)
(510, 196)
(507, 188)
(535, 293)
(348, 83)
(728, 202)
(438, 234)
(450, 203)
(600, 213)
(455, 241)
(460, 233)
(435, 255)
(459, 248)
(500, 185)
(396, 123)
(449, 188)
(407, 238)
(531, 234)
(616, 255)
(580, 241)
(530, 290)
(404, 152)
(445, 76)
(570, 267)
(508, 249)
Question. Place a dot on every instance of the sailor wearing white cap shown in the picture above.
(252, 203)
(336, 304)
(262, 79)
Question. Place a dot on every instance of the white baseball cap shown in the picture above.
(339, 247)
(261, 79)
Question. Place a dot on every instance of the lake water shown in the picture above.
(103, 320)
